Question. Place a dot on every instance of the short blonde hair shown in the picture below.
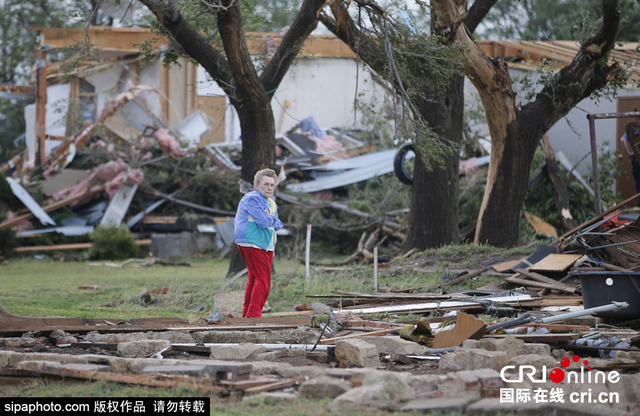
(262, 173)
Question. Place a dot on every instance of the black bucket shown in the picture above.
(602, 288)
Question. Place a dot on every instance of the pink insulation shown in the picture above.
(169, 145)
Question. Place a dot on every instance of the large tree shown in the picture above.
(516, 131)
(433, 217)
(233, 69)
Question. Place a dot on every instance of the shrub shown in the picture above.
(7, 241)
(111, 243)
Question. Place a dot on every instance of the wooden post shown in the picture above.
(307, 252)
(41, 104)
(375, 269)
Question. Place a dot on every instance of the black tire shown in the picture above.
(399, 164)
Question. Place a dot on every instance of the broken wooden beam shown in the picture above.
(331, 341)
(76, 246)
(134, 379)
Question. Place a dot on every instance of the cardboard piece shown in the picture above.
(466, 327)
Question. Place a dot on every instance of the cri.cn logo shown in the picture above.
(558, 375)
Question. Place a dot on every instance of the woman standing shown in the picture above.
(256, 224)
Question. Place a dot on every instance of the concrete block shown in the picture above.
(510, 345)
(356, 352)
(218, 371)
(537, 349)
(321, 387)
(277, 398)
(141, 349)
(473, 359)
(396, 345)
(236, 352)
(444, 405)
(87, 367)
(292, 356)
(36, 365)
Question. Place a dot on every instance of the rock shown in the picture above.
(538, 361)
(291, 336)
(559, 354)
(116, 364)
(627, 357)
(473, 359)
(36, 365)
(236, 352)
(292, 356)
(470, 344)
(141, 349)
(396, 345)
(87, 367)
(321, 387)
(226, 303)
(94, 336)
(175, 337)
(537, 349)
(277, 398)
(17, 342)
(378, 390)
(444, 405)
(510, 345)
(145, 296)
(356, 352)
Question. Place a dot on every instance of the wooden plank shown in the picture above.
(539, 337)
(282, 320)
(51, 207)
(555, 263)
(275, 386)
(507, 265)
(466, 327)
(332, 341)
(135, 379)
(544, 279)
(77, 246)
(532, 283)
(286, 314)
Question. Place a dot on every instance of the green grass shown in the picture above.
(48, 288)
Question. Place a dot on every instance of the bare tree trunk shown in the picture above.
(434, 195)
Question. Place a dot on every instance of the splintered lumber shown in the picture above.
(507, 265)
(539, 337)
(544, 279)
(51, 207)
(555, 263)
(331, 341)
(275, 386)
(595, 219)
(82, 326)
(388, 296)
(552, 301)
(435, 306)
(134, 379)
(77, 246)
(466, 327)
(532, 283)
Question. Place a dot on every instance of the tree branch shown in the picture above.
(477, 12)
(306, 21)
(236, 50)
(587, 72)
(363, 45)
(194, 44)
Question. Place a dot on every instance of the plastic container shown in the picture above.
(601, 288)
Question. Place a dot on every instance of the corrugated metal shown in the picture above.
(373, 165)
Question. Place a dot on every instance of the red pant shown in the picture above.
(259, 283)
